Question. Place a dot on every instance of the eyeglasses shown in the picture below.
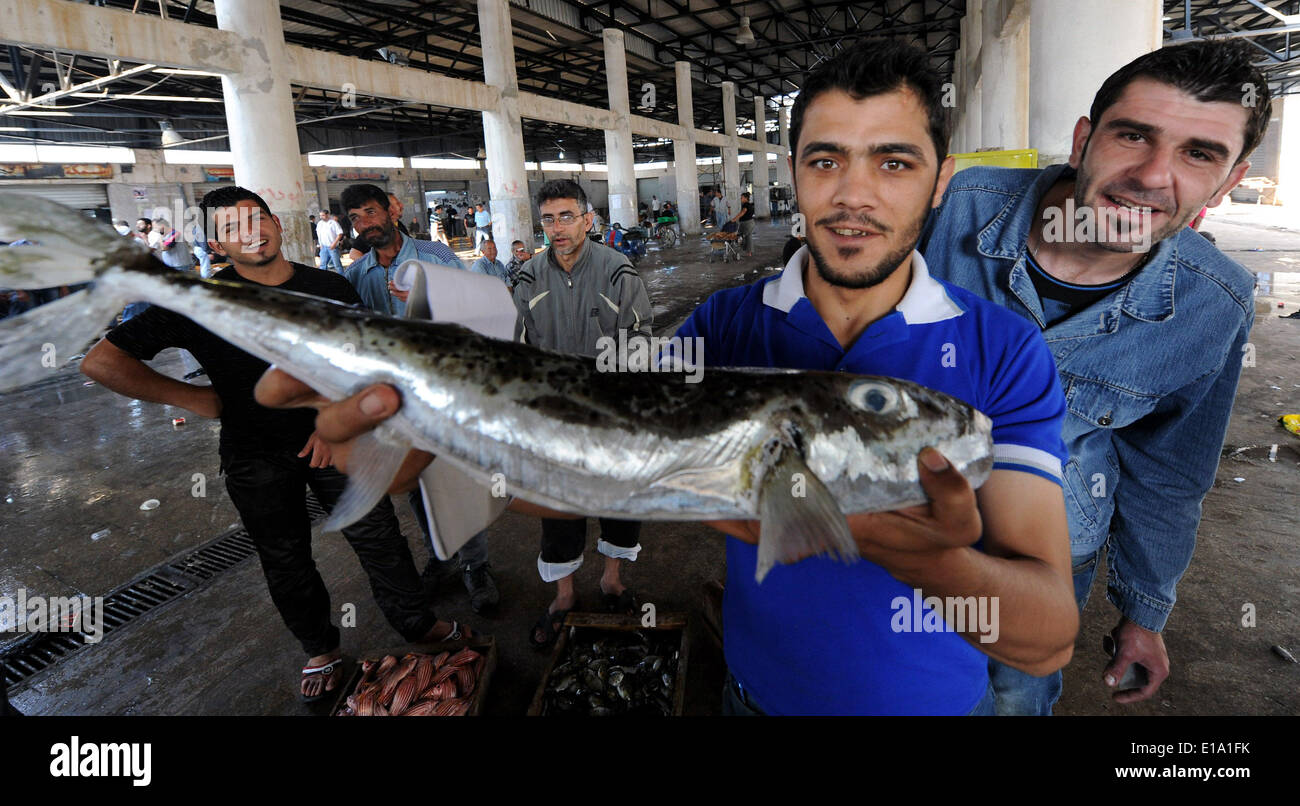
(564, 218)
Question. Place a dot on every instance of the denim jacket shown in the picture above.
(1149, 373)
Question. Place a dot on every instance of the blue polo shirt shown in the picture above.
(817, 637)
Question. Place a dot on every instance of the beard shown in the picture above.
(1083, 190)
(873, 275)
(380, 236)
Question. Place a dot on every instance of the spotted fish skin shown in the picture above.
(794, 449)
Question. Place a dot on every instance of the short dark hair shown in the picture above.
(513, 244)
(228, 196)
(871, 67)
(1213, 70)
(356, 195)
(562, 189)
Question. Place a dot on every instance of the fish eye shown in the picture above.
(874, 397)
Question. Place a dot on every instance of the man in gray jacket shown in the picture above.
(569, 297)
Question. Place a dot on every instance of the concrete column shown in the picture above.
(1073, 48)
(973, 95)
(688, 186)
(731, 153)
(503, 132)
(1288, 166)
(618, 142)
(259, 116)
(762, 197)
(1004, 70)
(782, 164)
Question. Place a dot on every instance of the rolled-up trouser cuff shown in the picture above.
(618, 552)
(554, 572)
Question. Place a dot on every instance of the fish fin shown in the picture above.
(797, 526)
(35, 344)
(371, 467)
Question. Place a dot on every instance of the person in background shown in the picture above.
(359, 245)
(270, 457)
(470, 225)
(369, 210)
(555, 291)
(489, 265)
(482, 225)
(745, 224)
(330, 234)
(519, 255)
(122, 227)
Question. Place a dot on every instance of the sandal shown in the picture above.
(549, 625)
(624, 602)
(329, 673)
(457, 632)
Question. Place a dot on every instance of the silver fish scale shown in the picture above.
(563, 434)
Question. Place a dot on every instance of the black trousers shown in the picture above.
(5, 708)
(563, 539)
(268, 489)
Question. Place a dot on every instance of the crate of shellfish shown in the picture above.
(444, 679)
(610, 665)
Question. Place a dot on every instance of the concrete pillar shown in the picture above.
(259, 116)
(762, 196)
(1288, 145)
(503, 132)
(688, 186)
(1004, 71)
(1073, 48)
(618, 142)
(782, 164)
(972, 100)
(731, 153)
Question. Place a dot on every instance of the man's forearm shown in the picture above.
(1036, 617)
(115, 369)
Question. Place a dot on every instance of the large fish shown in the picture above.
(793, 449)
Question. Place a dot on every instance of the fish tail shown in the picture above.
(36, 344)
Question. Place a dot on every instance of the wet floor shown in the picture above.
(78, 462)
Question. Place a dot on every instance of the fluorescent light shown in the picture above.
(187, 98)
(17, 153)
(84, 154)
(437, 162)
(14, 152)
(173, 71)
(38, 114)
(191, 156)
(13, 129)
(353, 161)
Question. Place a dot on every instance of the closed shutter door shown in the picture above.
(78, 197)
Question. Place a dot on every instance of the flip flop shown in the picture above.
(328, 672)
(624, 602)
(549, 626)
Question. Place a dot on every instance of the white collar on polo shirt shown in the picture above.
(926, 300)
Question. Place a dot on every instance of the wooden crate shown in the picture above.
(604, 622)
(485, 645)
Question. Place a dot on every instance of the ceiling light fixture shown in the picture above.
(745, 34)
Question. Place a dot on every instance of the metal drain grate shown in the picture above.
(168, 582)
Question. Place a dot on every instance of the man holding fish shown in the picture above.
(269, 457)
(818, 637)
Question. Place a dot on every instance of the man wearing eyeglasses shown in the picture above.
(519, 255)
(570, 296)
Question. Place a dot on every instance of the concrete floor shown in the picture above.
(80, 460)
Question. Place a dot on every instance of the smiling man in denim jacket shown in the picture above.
(1147, 320)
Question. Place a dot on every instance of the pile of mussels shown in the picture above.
(613, 674)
